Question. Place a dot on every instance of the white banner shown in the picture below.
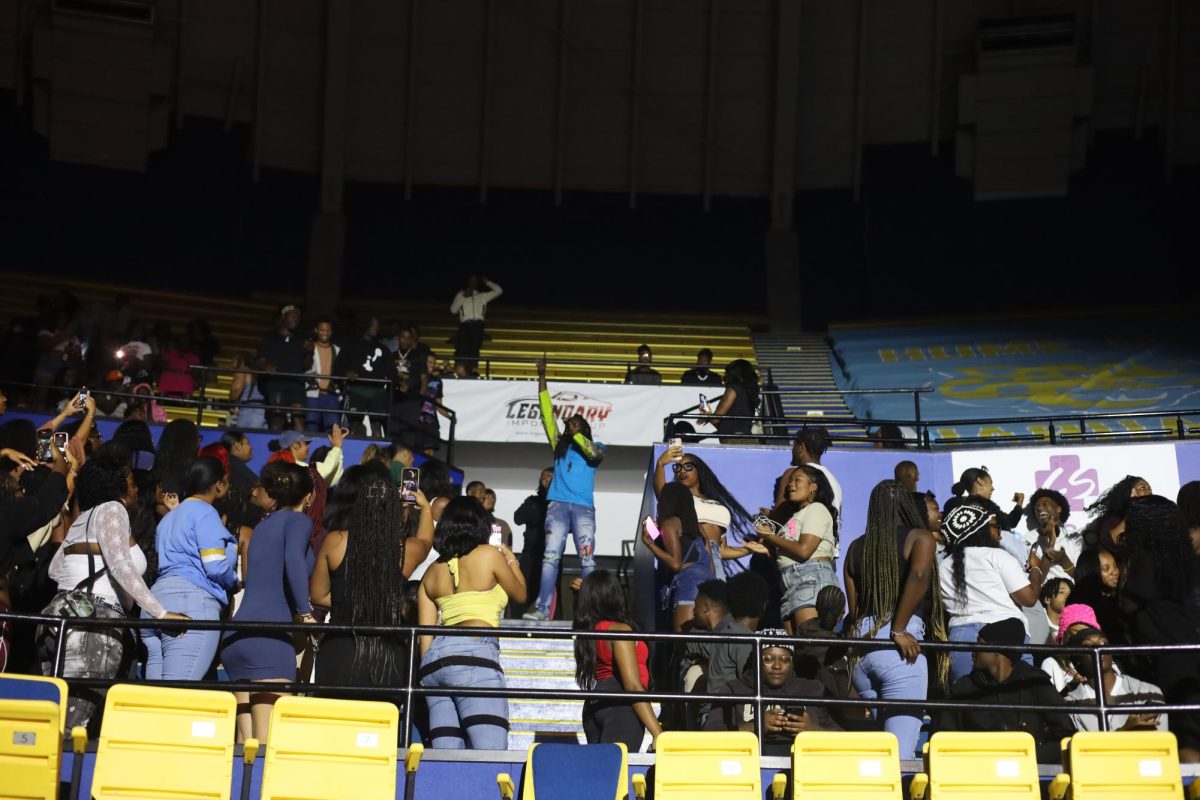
(507, 411)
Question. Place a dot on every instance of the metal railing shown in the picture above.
(1102, 709)
(629, 365)
(1183, 427)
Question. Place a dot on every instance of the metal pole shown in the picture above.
(450, 444)
(1053, 434)
(387, 423)
(203, 394)
(408, 693)
(59, 649)
(758, 698)
(1100, 691)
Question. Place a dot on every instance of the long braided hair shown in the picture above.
(892, 507)
(374, 565)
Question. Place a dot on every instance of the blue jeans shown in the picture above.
(883, 674)
(456, 723)
(187, 657)
(562, 518)
(962, 662)
(323, 413)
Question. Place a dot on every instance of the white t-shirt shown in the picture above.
(1126, 691)
(991, 575)
(837, 488)
(813, 519)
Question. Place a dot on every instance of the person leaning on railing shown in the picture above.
(740, 400)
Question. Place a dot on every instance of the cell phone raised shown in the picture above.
(45, 440)
(704, 402)
(410, 479)
(60, 440)
(677, 445)
(496, 537)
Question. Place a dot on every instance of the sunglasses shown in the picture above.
(684, 466)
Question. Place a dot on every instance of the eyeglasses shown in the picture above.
(684, 466)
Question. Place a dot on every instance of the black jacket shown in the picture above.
(1025, 686)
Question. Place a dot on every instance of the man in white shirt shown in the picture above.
(1119, 689)
(811, 441)
(470, 304)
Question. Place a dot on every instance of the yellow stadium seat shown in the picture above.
(30, 749)
(36, 687)
(157, 742)
(587, 772)
(320, 748)
(979, 766)
(1134, 764)
(695, 765)
(841, 765)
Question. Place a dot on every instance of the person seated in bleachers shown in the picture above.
(747, 598)
(1074, 618)
(707, 667)
(1003, 679)
(643, 374)
(1119, 689)
(782, 719)
(1054, 596)
(701, 374)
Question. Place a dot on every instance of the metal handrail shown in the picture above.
(1102, 708)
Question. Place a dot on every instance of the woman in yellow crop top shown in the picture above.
(469, 585)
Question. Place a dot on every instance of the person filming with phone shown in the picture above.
(782, 718)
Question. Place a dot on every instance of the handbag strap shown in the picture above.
(93, 575)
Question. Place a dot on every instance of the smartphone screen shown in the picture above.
(497, 536)
(60, 441)
(676, 444)
(45, 440)
(409, 480)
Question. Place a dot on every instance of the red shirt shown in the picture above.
(604, 657)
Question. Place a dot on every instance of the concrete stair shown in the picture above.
(801, 361)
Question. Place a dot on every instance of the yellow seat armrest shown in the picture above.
(78, 740)
(507, 787)
(1058, 786)
(639, 786)
(412, 759)
(918, 787)
(250, 751)
(778, 786)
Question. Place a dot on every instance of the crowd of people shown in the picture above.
(175, 531)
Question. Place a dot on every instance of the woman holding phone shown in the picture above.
(695, 511)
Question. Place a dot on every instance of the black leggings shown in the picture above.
(610, 721)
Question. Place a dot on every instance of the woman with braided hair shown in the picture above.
(892, 591)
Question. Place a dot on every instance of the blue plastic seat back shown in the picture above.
(16, 688)
(577, 772)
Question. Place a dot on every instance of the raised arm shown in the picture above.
(549, 424)
(416, 548)
(508, 574)
(493, 291)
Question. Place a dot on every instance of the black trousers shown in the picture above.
(609, 721)
(468, 342)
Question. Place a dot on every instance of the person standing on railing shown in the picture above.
(892, 592)
(322, 401)
(283, 351)
(571, 508)
(470, 304)
(197, 571)
(276, 590)
(98, 569)
(619, 665)
(468, 587)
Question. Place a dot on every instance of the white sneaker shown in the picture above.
(535, 614)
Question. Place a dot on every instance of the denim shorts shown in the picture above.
(802, 582)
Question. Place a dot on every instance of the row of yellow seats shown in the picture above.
(825, 766)
(163, 742)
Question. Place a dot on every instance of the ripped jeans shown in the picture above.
(580, 522)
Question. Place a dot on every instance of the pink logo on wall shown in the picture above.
(1067, 475)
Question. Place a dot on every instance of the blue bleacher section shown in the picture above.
(1023, 368)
